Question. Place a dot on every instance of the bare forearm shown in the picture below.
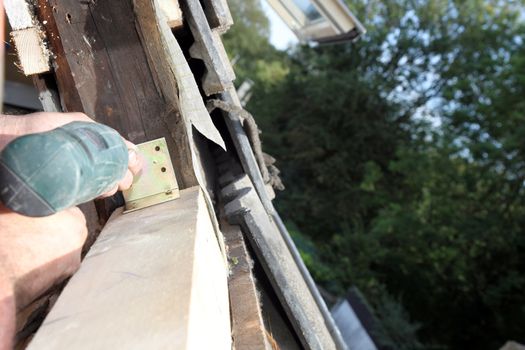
(13, 126)
(7, 314)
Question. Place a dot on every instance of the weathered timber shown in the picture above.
(245, 208)
(69, 97)
(173, 74)
(244, 148)
(249, 163)
(248, 329)
(218, 15)
(101, 59)
(176, 81)
(155, 279)
(208, 47)
(48, 97)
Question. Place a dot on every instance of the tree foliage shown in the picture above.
(404, 160)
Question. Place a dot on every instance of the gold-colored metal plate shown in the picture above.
(157, 183)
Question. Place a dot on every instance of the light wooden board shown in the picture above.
(19, 14)
(155, 279)
(32, 53)
(27, 37)
(171, 10)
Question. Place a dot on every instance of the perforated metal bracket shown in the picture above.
(157, 183)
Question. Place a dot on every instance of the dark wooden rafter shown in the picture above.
(102, 69)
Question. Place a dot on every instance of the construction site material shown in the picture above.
(176, 81)
(244, 149)
(218, 15)
(28, 37)
(105, 73)
(171, 9)
(247, 158)
(156, 183)
(248, 331)
(208, 47)
(278, 263)
(135, 76)
(174, 75)
(155, 279)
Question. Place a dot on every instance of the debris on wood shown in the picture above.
(28, 37)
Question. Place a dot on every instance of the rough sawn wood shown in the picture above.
(155, 279)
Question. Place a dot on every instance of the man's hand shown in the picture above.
(12, 127)
(37, 253)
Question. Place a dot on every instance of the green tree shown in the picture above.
(404, 160)
(248, 45)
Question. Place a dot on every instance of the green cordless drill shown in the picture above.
(41, 174)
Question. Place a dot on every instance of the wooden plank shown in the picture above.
(174, 76)
(244, 148)
(110, 76)
(155, 279)
(176, 81)
(27, 37)
(19, 13)
(218, 15)
(248, 329)
(278, 263)
(69, 97)
(172, 11)
(48, 96)
(32, 53)
(208, 47)
(249, 164)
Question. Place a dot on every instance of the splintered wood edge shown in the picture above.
(171, 9)
(32, 52)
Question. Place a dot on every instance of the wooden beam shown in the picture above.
(278, 263)
(174, 76)
(218, 15)
(155, 279)
(171, 9)
(219, 75)
(248, 330)
(28, 37)
(102, 70)
(176, 81)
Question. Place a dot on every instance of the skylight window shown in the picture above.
(308, 9)
(322, 21)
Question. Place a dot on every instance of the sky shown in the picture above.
(280, 35)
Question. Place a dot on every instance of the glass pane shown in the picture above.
(308, 8)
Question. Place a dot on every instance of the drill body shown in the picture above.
(41, 174)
